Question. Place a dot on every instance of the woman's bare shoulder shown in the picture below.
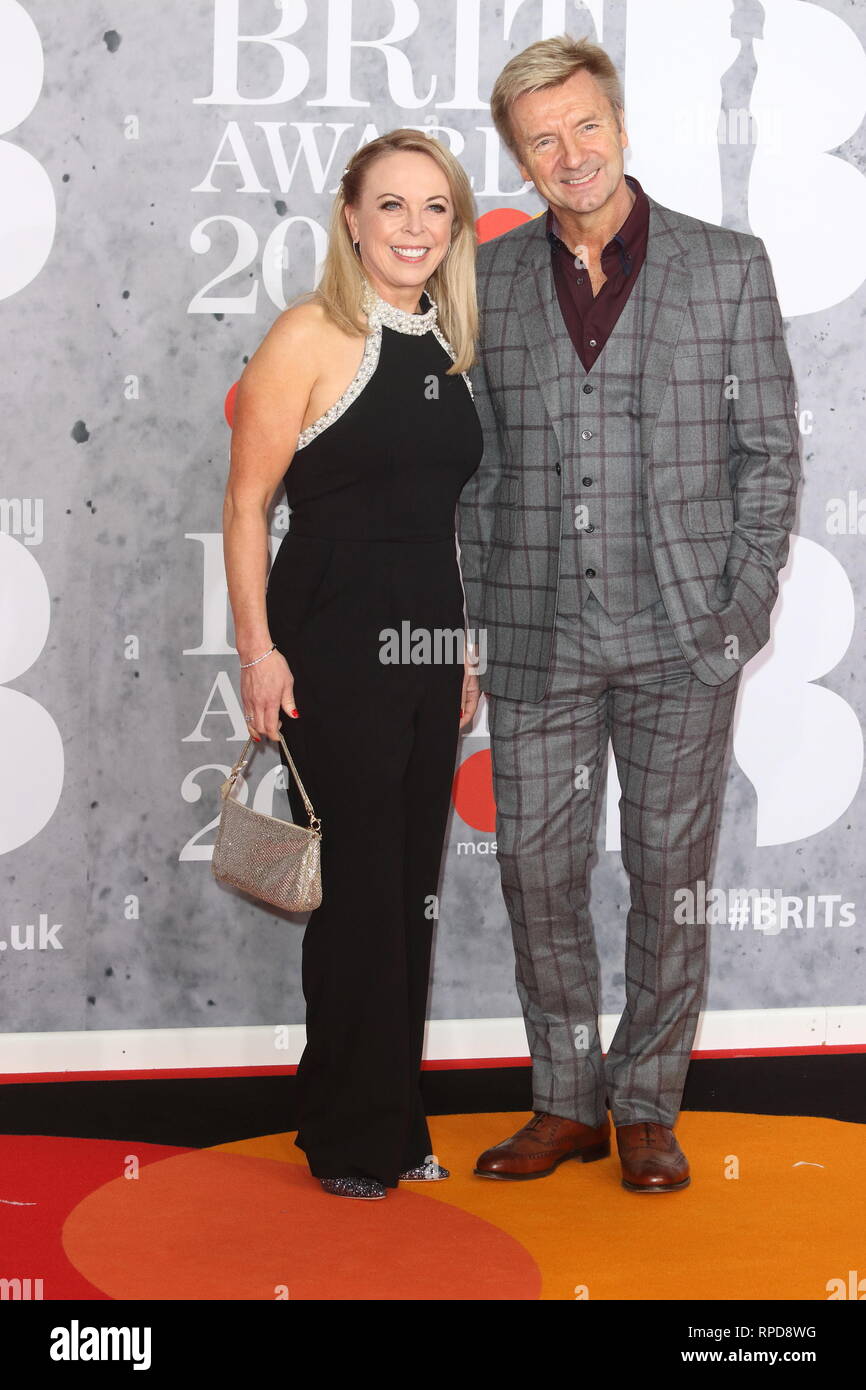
(307, 322)
(304, 333)
(308, 316)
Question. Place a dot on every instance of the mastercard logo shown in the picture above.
(472, 792)
(498, 222)
(229, 405)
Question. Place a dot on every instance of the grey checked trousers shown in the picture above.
(670, 733)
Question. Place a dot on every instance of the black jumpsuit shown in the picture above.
(371, 547)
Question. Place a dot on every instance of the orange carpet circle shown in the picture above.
(776, 1211)
(218, 1225)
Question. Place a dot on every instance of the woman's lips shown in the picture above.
(406, 254)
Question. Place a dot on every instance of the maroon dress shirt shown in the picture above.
(589, 318)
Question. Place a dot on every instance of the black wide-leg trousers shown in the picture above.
(375, 746)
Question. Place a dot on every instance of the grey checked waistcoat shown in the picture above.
(605, 549)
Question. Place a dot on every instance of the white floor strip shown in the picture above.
(454, 1039)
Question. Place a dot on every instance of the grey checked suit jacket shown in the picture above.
(720, 466)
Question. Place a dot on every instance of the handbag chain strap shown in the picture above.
(315, 822)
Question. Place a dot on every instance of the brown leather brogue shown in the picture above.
(651, 1158)
(541, 1145)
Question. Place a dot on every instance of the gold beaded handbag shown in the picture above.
(273, 859)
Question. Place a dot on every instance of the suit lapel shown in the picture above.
(666, 289)
(540, 319)
(665, 285)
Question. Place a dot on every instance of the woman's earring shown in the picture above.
(355, 246)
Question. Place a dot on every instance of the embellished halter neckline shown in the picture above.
(379, 311)
(380, 314)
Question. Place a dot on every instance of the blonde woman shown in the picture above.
(358, 399)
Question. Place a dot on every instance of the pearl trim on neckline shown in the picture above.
(378, 310)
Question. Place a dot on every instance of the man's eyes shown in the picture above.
(545, 140)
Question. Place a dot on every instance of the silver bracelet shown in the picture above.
(244, 664)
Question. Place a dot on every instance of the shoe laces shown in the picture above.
(648, 1134)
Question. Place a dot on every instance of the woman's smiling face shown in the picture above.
(403, 221)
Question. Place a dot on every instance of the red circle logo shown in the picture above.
(498, 221)
(229, 404)
(472, 792)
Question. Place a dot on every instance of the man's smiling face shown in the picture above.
(570, 144)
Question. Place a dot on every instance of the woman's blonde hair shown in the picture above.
(549, 63)
(452, 284)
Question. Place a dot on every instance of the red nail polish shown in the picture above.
(294, 714)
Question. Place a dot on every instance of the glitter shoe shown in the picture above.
(367, 1188)
(425, 1172)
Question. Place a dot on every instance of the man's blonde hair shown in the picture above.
(549, 63)
(452, 284)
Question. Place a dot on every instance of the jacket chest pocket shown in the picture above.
(699, 367)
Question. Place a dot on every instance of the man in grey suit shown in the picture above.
(620, 544)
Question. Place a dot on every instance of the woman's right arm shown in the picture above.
(270, 405)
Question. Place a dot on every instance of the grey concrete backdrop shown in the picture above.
(125, 481)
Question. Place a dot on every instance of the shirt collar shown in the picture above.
(625, 240)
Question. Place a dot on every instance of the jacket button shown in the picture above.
(558, 468)
(587, 482)
(586, 434)
(590, 574)
(588, 390)
(590, 527)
